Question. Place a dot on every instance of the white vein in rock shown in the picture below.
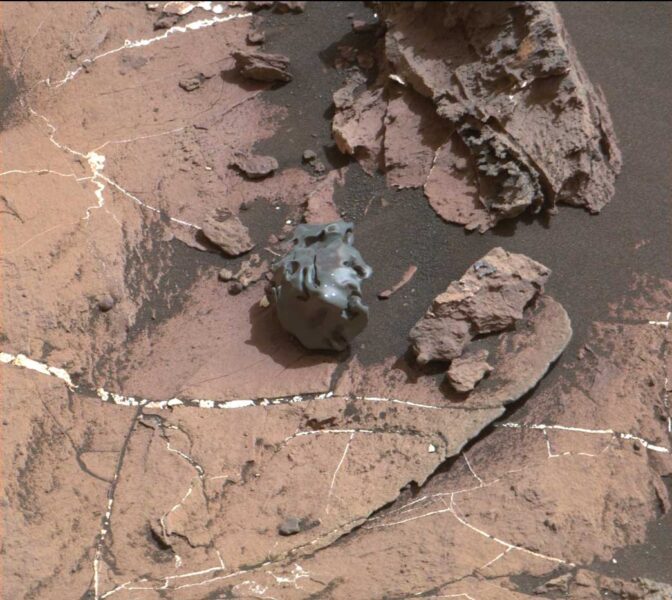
(624, 436)
(129, 44)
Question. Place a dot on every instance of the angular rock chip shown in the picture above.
(255, 166)
(191, 84)
(290, 526)
(488, 298)
(225, 230)
(255, 37)
(405, 278)
(466, 371)
(309, 156)
(263, 67)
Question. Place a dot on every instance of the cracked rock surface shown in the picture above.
(159, 434)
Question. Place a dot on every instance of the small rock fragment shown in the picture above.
(489, 298)
(466, 371)
(309, 156)
(256, 37)
(225, 230)
(254, 166)
(405, 278)
(252, 271)
(290, 526)
(192, 83)
(262, 67)
(105, 303)
(225, 275)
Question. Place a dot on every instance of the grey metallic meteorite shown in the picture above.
(316, 287)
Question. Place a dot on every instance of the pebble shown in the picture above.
(290, 526)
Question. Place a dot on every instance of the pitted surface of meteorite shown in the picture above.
(316, 287)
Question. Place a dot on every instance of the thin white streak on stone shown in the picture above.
(624, 436)
(395, 401)
(139, 138)
(144, 204)
(129, 44)
(338, 468)
(43, 172)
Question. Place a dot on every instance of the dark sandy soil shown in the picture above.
(159, 430)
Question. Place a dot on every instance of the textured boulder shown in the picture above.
(316, 287)
(255, 166)
(262, 67)
(490, 297)
(225, 230)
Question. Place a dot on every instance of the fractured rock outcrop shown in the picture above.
(523, 128)
(489, 298)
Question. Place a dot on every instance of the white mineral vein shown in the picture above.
(129, 44)
(338, 468)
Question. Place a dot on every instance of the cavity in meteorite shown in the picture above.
(316, 287)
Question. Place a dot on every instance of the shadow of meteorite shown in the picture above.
(268, 336)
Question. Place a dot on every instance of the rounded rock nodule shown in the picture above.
(317, 287)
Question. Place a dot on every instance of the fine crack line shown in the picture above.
(96, 163)
(129, 44)
(107, 517)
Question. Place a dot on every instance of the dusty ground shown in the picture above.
(157, 430)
